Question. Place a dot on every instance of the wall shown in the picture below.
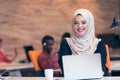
(25, 22)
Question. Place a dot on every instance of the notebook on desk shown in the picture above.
(86, 66)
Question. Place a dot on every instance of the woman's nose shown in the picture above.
(79, 25)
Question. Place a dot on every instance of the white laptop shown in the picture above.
(84, 66)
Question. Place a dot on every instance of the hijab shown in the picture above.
(87, 44)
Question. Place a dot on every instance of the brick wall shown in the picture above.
(25, 22)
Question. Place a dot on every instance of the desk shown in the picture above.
(21, 69)
(27, 69)
(15, 66)
(56, 78)
(115, 66)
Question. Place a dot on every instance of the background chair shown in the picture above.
(33, 54)
(108, 65)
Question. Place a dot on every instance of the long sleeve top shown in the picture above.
(65, 50)
(47, 62)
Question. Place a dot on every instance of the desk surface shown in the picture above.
(56, 78)
(15, 66)
(115, 65)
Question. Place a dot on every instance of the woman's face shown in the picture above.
(79, 26)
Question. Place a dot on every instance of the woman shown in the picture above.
(83, 40)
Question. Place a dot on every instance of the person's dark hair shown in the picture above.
(66, 34)
(46, 38)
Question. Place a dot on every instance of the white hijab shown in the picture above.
(86, 44)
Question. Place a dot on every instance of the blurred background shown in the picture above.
(25, 22)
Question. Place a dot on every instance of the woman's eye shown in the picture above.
(84, 22)
(75, 23)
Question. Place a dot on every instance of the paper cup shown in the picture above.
(48, 74)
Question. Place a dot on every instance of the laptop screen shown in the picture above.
(27, 49)
(84, 66)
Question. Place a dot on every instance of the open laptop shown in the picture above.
(84, 66)
(27, 49)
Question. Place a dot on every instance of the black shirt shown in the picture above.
(65, 50)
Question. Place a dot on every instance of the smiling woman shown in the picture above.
(83, 40)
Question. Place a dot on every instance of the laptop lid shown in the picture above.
(27, 49)
(84, 66)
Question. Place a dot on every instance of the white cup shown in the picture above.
(48, 74)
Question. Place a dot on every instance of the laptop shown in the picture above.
(84, 66)
(27, 49)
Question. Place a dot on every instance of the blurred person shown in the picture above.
(83, 40)
(3, 57)
(49, 57)
(66, 35)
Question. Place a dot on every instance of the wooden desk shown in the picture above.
(56, 78)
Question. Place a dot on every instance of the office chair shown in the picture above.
(33, 54)
(108, 65)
